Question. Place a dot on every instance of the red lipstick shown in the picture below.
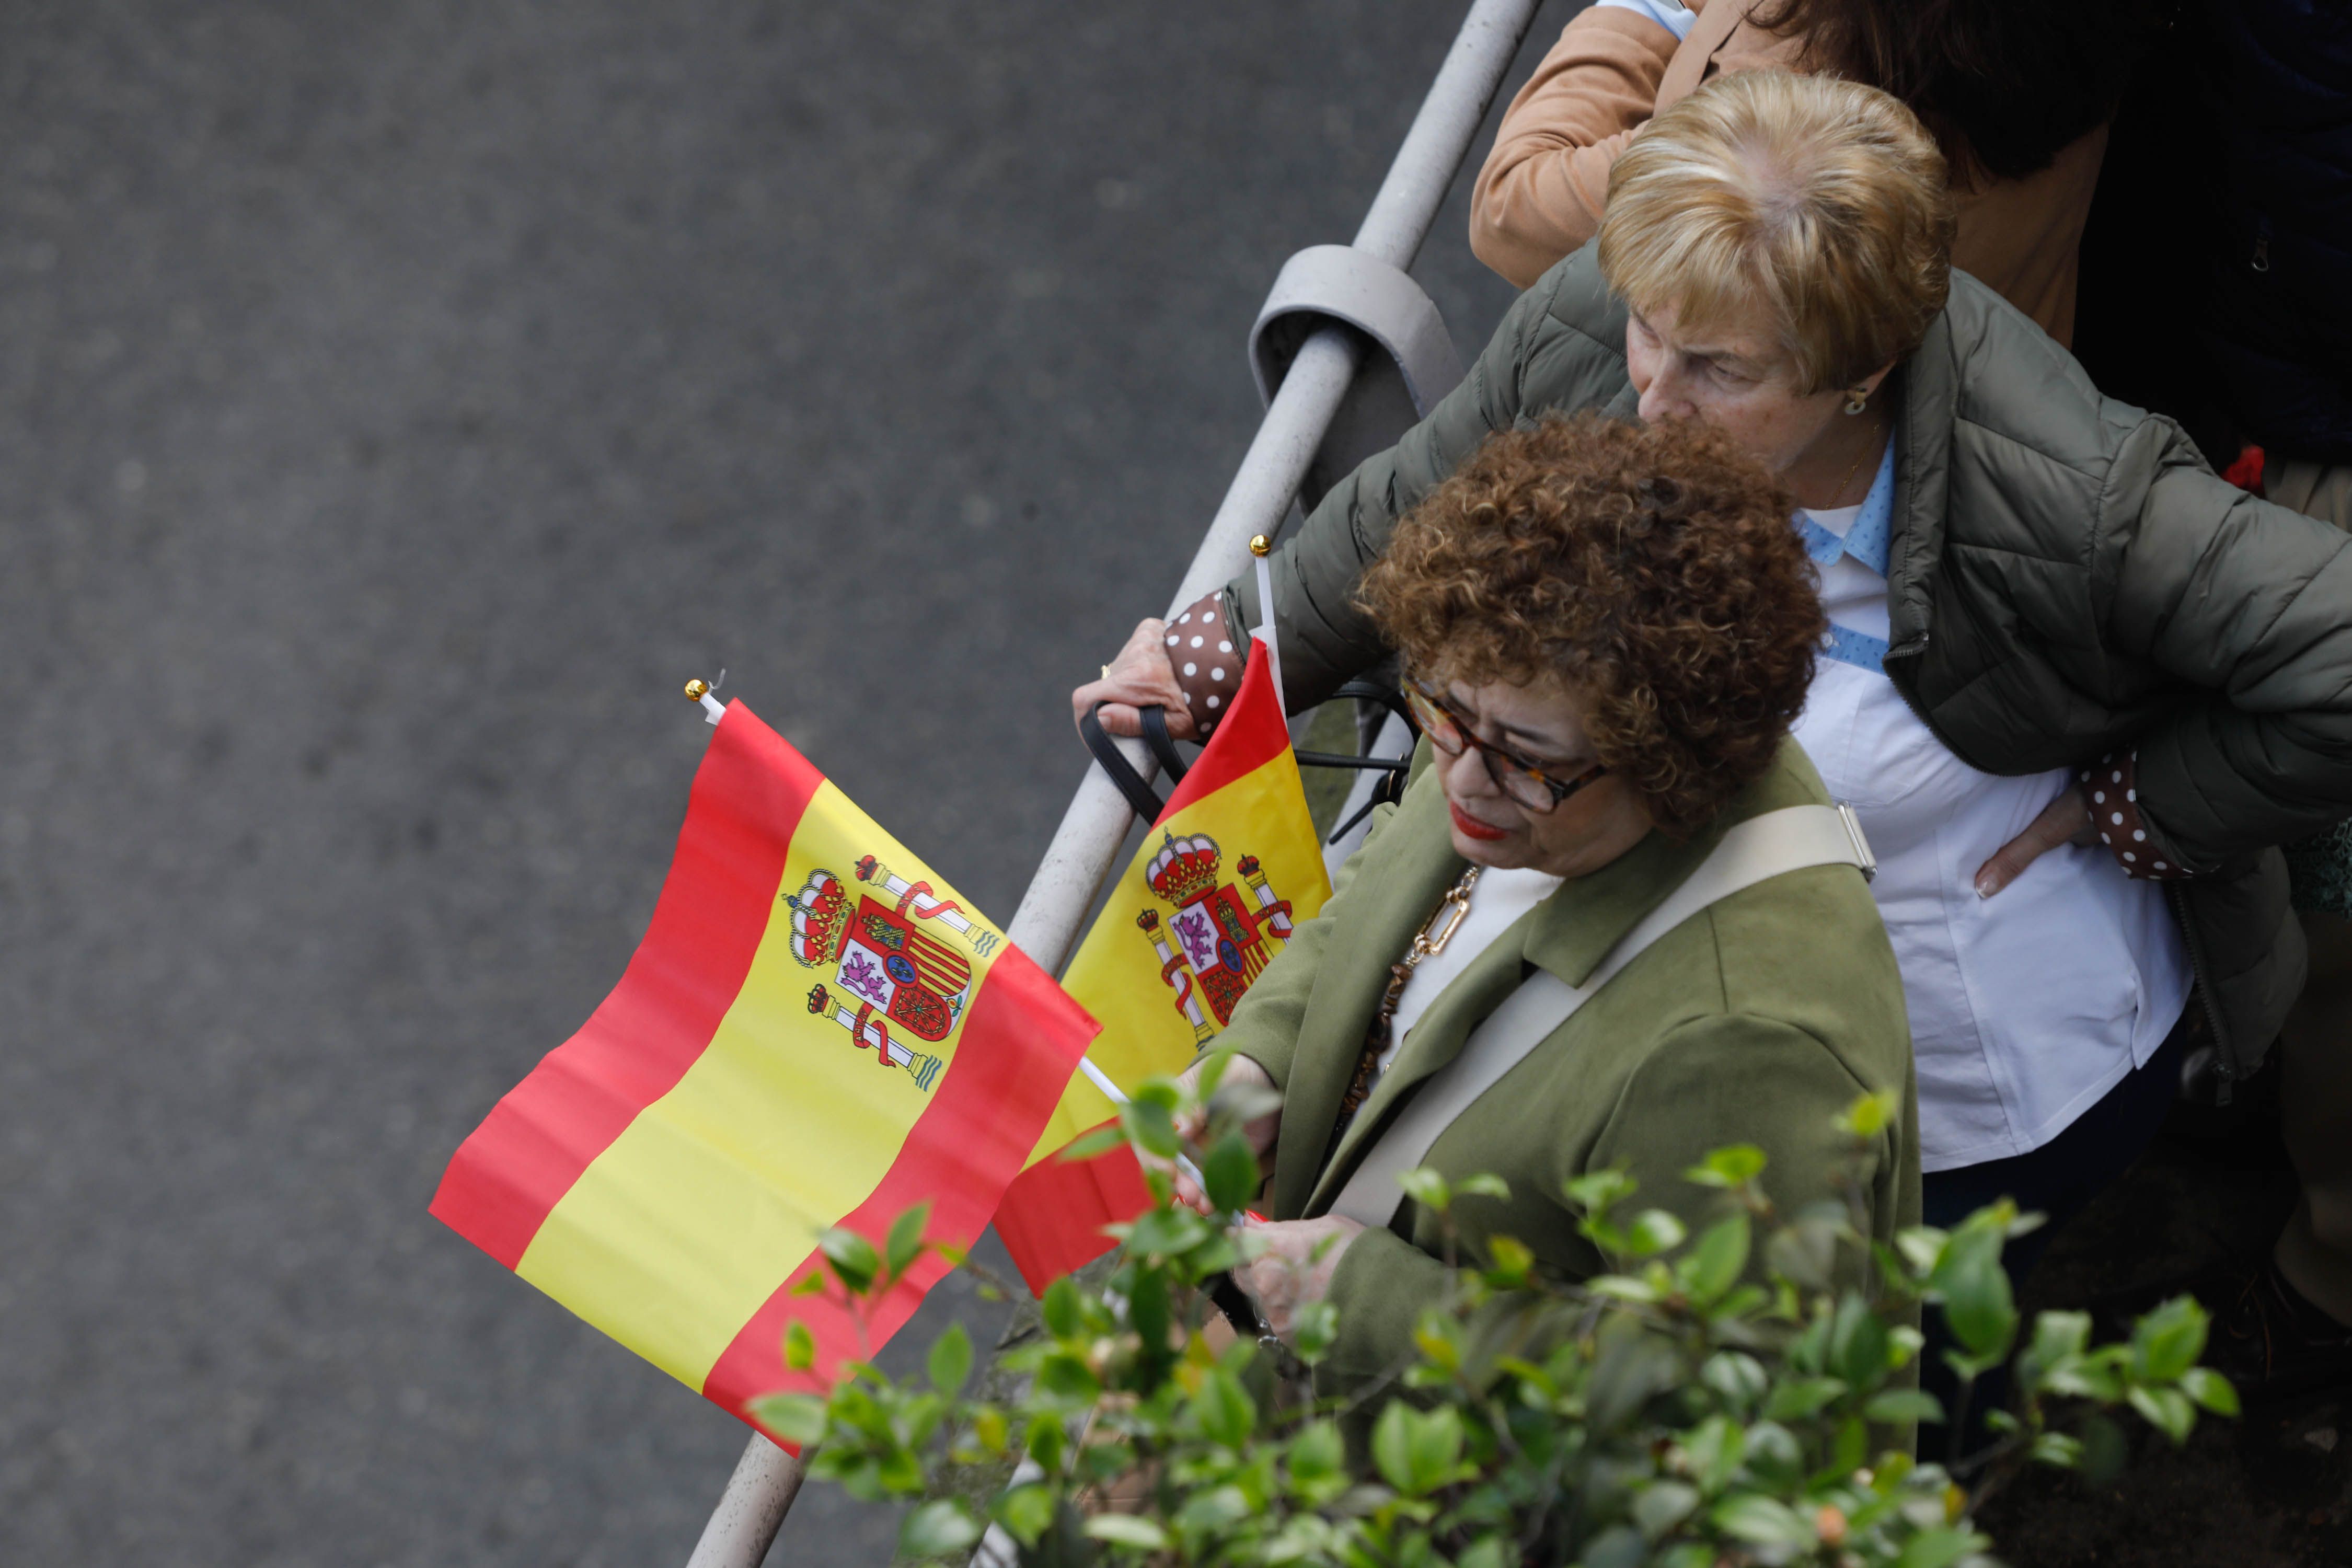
(1472, 828)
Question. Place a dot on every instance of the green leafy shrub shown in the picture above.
(1689, 1410)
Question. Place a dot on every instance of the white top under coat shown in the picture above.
(2026, 1008)
(1496, 903)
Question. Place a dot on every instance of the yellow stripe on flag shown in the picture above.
(1116, 974)
(696, 1213)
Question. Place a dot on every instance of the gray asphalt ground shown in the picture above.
(397, 402)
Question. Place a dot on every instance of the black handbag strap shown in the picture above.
(1140, 795)
(1163, 744)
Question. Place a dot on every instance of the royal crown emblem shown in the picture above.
(1222, 941)
(889, 965)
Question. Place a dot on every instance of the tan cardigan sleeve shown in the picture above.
(1541, 191)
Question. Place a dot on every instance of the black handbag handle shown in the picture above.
(1140, 798)
(1163, 744)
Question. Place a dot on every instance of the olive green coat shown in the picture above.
(1759, 1020)
(2067, 578)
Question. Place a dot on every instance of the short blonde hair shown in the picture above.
(1822, 202)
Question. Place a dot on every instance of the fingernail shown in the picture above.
(1988, 885)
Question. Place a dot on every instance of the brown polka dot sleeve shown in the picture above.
(1208, 659)
(2113, 795)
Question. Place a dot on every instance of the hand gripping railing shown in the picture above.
(1298, 416)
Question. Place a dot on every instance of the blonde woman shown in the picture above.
(2076, 685)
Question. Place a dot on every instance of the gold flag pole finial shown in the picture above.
(1260, 545)
(706, 693)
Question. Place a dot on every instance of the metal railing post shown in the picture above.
(1080, 856)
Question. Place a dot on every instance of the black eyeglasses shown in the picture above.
(1449, 730)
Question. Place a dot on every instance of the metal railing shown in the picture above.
(1085, 847)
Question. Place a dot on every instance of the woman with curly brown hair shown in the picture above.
(1606, 631)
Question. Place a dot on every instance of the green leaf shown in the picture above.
(951, 1360)
(2056, 1449)
(1093, 1145)
(1213, 1510)
(1427, 1188)
(1801, 1397)
(1715, 1449)
(852, 1257)
(2057, 1336)
(1231, 1172)
(2167, 1342)
(1318, 1452)
(938, 1529)
(810, 1285)
(1126, 1529)
(2210, 1389)
(1151, 1126)
(1715, 1264)
(906, 1241)
(1858, 1343)
(1805, 1254)
(1978, 1304)
(2167, 1409)
(1225, 1410)
(1763, 1521)
(1167, 1233)
(1025, 1513)
(1663, 1505)
(1484, 1184)
(1940, 1548)
(1393, 1445)
(1060, 1308)
(1597, 1191)
(1064, 1377)
(1898, 1404)
(1436, 1444)
(1737, 1379)
(1513, 1259)
(1313, 1329)
(794, 1417)
(1868, 1117)
(1727, 1167)
(1047, 1441)
(1654, 1231)
(800, 1346)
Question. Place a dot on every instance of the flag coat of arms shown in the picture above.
(1230, 869)
(814, 1032)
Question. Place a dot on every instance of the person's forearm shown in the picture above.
(1542, 189)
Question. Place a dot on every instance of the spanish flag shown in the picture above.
(814, 1032)
(1231, 869)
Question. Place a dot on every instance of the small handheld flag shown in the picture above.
(1231, 869)
(815, 1032)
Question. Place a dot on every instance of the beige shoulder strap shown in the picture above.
(1753, 851)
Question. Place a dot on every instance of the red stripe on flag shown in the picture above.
(747, 802)
(1252, 734)
(1022, 1039)
(1053, 1214)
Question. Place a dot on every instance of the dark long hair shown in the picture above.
(2001, 84)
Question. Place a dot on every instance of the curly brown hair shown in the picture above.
(1651, 568)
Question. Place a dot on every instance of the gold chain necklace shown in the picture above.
(1435, 932)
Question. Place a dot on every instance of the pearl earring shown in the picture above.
(1856, 400)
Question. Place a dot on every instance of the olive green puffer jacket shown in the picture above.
(2067, 578)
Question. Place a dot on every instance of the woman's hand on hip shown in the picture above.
(1295, 1264)
(2066, 820)
(1140, 677)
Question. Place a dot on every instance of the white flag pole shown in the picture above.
(1262, 547)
